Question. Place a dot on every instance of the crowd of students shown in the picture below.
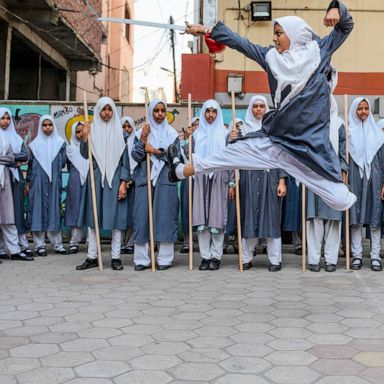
(119, 162)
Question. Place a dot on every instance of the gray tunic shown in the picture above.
(260, 206)
(7, 215)
(45, 196)
(210, 197)
(18, 193)
(301, 127)
(73, 201)
(112, 213)
(315, 205)
(368, 209)
(165, 200)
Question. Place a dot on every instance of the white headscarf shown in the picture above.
(365, 138)
(251, 123)
(210, 138)
(296, 65)
(162, 136)
(334, 120)
(74, 155)
(107, 140)
(14, 139)
(130, 141)
(45, 148)
(4, 146)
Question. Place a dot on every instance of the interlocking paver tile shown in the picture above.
(291, 358)
(66, 359)
(289, 375)
(245, 364)
(370, 359)
(46, 375)
(197, 371)
(144, 377)
(207, 355)
(34, 350)
(337, 367)
(16, 365)
(103, 368)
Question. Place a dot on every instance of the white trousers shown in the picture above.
(273, 249)
(327, 232)
(211, 244)
(76, 236)
(115, 244)
(296, 240)
(262, 153)
(165, 255)
(23, 241)
(54, 238)
(9, 239)
(357, 242)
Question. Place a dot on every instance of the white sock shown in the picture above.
(180, 171)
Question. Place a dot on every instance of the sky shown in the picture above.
(152, 47)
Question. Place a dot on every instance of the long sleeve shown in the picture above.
(125, 172)
(8, 159)
(341, 31)
(138, 151)
(222, 34)
(30, 164)
(84, 149)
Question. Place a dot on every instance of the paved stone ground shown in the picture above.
(58, 325)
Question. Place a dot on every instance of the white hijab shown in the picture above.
(14, 139)
(210, 138)
(296, 65)
(75, 157)
(251, 123)
(162, 136)
(130, 141)
(4, 146)
(107, 140)
(365, 138)
(334, 120)
(45, 148)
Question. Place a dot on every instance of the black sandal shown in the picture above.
(73, 249)
(376, 265)
(357, 263)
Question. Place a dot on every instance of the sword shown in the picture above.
(144, 23)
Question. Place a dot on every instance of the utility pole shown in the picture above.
(172, 37)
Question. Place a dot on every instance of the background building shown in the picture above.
(359, 61)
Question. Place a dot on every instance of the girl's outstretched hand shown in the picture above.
(332, 17)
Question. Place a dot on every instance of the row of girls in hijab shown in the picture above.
(119, 158)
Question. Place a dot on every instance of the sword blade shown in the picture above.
(143, 23)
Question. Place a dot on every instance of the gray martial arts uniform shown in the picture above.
(323, 222)
(45, 200)
(290, 139)
(112, 213)
(7, 213)
(368, 210)
(165, 204)
(261, 212)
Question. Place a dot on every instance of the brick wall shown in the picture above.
(84, 20)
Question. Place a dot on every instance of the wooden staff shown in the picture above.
(93, 191)
(149, 188)
(303, 229)
(237, 196)
(190, 229)
(347, 249)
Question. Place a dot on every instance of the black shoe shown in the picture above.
(247, 266)
(274, 267)
(235, 250)
(88, 263)
(28, 252)
(376, 265)
(356, 264)
(4, 256)
(299, 251)
(265, 250)
(140, 267)
(184, 248)
(314, 267)
(330, 267)
(61, 251)
(163, 267)
(41, 252)
(73, 249)
(204, 264)
(173, 161)
(130, 250)
(225, 250)
(21, 256)
(214, 265)
(116, 264)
